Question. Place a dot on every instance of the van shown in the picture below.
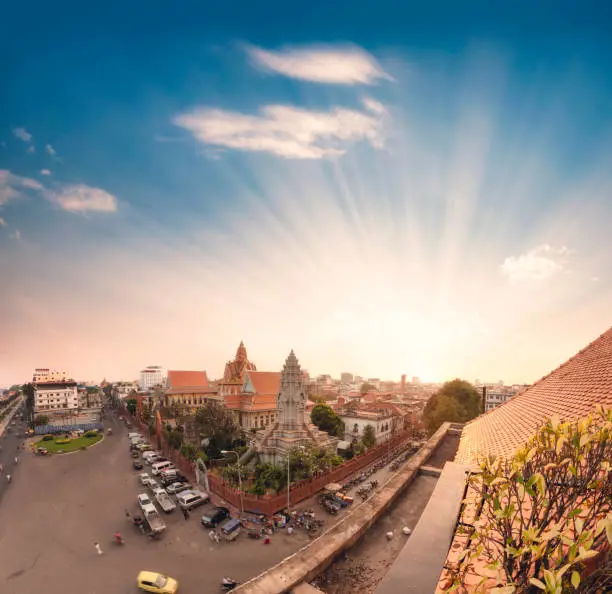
(169, 473)
(191, 499)
(159, 466)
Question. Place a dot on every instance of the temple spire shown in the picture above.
(241, 354)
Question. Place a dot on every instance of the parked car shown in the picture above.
(218, 515)
(153, 484)
(151, 581)
(137, 465)
(190, 499)
(179, 478)
(145, 503)
(177, 487)
(134, 454)
(144, 478)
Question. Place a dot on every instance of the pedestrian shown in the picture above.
(98, 548)
(185, 514)
(290, 530)
(211, 535)
(267, 540)
(127, 514)
(216, 537)
(8, 478)
(16, 459)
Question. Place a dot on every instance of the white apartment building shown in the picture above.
(355, 423)
(44, 374)
(493, 398)
(55, 397)
(152, 376)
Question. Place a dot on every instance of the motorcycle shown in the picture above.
(228, 584)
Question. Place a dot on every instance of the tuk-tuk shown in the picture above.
(231, 529)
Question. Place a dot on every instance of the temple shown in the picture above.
(292, 427)
(235, 371)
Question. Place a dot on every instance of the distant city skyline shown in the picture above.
(374, 188)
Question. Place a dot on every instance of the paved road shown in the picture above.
(11, 441)
(58, 506)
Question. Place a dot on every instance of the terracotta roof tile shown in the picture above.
(265, 382)
(570, 392)
(187, 379)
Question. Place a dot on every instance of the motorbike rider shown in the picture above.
(118, 538)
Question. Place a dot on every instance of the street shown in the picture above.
(57, 507)
(11, 441)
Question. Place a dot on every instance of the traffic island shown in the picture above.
(66, 445)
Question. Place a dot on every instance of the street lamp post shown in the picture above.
(239, 477)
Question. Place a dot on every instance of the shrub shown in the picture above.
(60, 441)
(92, 433)
(47, 437)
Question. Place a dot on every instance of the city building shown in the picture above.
(346, 378)
(55, 397)
(44, 374)
(292, 427)
(188, 390)
(356, 420)
(493, 398)
(255, 407)
(152, 376)
(235, 371)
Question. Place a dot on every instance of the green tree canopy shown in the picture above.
(369, 436)
(216, 423)
(324, 417)
(41, 420)
(131, 404)
(457, 401)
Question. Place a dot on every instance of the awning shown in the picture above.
(344, 445)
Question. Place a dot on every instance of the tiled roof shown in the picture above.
(265, 382)
(187, 379)
(570, 392)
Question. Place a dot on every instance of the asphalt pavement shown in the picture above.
(11, 447)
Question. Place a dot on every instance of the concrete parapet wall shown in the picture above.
(313, 559)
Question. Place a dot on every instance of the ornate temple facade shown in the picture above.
(234, 374)
(292, 427)
(255, 407)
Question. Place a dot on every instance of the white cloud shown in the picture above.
(50, 150)
(343, 65)
(22, 134)
(2, 222)
(12, 186)
(45, 172)
(83, 198)
(285, 131)
(539, 263)
(31, 149)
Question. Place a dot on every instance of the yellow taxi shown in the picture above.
(151, 581)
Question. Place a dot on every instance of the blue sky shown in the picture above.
(386, 188)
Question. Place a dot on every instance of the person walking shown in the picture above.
(216, 537)
(8, 478)
(211, 535)
(185, 513)
(98, 548)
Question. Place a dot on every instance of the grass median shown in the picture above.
(61, 445)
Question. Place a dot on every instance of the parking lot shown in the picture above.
(57, 507)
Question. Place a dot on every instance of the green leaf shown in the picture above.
(574, 513)
(575, 579)
(537, 583)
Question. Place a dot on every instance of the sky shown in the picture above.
(385, 187)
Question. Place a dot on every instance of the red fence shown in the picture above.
(270, 504)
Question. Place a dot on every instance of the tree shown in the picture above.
(327, 420)
(369, 437)
(366, 387)
(544, 512)
(175, 439)
(131, 404)
(215, 422)
(28, 392)
(457, 401)
(41, 420)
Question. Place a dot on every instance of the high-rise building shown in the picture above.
(403, 383)
(152, 376)
(44, 374)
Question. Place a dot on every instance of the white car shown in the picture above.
(145, 503)
(153, 484)
(175, 488)
(144, 478)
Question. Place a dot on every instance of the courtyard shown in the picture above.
(57, 507)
